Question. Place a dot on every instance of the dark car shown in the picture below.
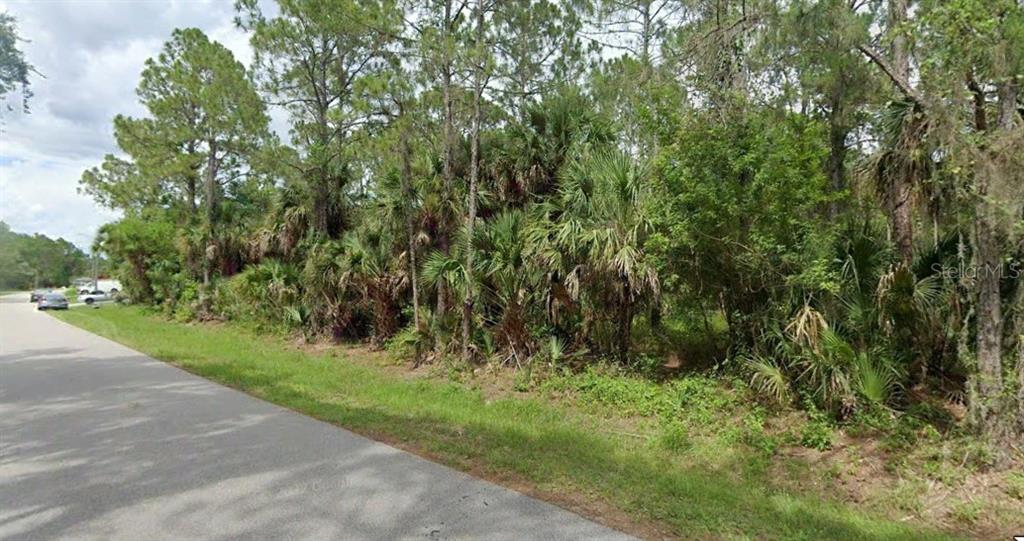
(37, 294)
(52, 301)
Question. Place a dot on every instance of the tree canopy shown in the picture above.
(28, 261)
(825, 196)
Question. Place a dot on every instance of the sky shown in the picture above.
(90, 54)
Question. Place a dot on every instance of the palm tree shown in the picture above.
(899, 169)
(598, 239)
(526, 159)
(380, 277)
(509, 277)
(445, 272)
(285, 227)
(328, 288)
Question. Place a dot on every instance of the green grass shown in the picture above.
(527, 439)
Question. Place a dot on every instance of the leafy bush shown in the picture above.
(702, 399)
(626, 394)
(265, 293)
(817, 435)
(818, 432)
(874, 380)
(186, 305)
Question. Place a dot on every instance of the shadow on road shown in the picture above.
(118, 447)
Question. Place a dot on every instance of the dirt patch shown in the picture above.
(861, 471)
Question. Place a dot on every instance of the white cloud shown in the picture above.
(90, 55)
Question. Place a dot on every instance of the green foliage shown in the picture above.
(968, 512)
(674, 437)
(266, 292)
(769, 379)
(624, 395)
(185, 306)
(758, 191)
(818, 432)
(14, 69)
(738, 216)
(28, 261)
(148, 256)
(873, 381)
(538, 441)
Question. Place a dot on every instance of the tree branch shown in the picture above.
(903, 86)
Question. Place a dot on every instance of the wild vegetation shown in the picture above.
(693, 458)
(821, 200)
(28, 261)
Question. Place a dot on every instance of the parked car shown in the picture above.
(110, 286)
(95, 296)
(52, 301)
(37, 294)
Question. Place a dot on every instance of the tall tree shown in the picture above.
(631, 81)
(14, 69)
(814, 42)
(205, 116)
(635, 27)
(440, 32)
(901, 184)
(537, 47)
(312, 58)
(710, 48)
(399, 103)
(981, 40)
(481, 66)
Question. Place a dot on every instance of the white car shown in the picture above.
(95, 296)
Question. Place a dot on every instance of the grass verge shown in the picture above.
(528, 443)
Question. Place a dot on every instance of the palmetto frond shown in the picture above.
(605, 221)
(874, 380)
(769, 379)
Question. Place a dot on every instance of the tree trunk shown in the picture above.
(474, 178)
(989, 311)
(837, 149)
(901, 186)
(408, 195)
(989, 249)
(1008, 121)
(1020, 356)
(211, 189)
(191, 181)
(448, 134)
(449, 117)
(321, 175)
(321, 196)
(625, 324)
(897, 21)
(901, 218)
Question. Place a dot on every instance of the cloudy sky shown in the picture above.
(90, 54)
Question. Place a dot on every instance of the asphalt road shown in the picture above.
(98, 441)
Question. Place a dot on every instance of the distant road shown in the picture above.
(98, 441)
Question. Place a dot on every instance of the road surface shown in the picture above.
(98, 441)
